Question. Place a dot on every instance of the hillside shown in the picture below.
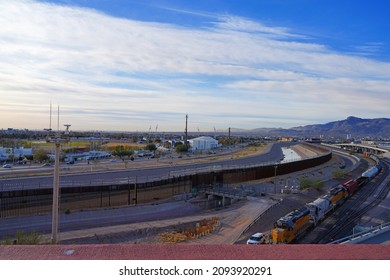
(356, 127)
(352, 125)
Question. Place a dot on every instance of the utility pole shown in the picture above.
(57, 139)
(186, 131)
(56, 193)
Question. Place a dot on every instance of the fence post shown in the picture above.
(109, 196)
(136, 193)
(128, 194)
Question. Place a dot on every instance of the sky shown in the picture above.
(116, 65)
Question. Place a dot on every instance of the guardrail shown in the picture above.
(357, 160)
(259, 217)
(227, 192)
(363, 235)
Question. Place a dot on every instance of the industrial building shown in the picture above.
(5, 153)
(203, 143)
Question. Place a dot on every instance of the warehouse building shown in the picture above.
(203, 143)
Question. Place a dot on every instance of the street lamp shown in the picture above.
(57, 139)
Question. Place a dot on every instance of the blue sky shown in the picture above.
(130, 65)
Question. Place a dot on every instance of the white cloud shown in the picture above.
(119, 73)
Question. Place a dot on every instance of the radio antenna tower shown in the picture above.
(57, 138)
(49, 129)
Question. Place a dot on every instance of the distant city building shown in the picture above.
(203, 143)
(314, 140)
(22, 152)
(91, 155)
(368, 143)
(91, 139)
(5, 153)
(287, 139)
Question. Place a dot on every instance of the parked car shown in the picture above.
(7, 166)
(257, 238)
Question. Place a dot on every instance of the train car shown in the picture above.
(351, 186)
(366, 154)
(372, 172)
(291, 226)
(361, 181)
(337, 195)
(379, 167)
(375, 158)
(319, 208)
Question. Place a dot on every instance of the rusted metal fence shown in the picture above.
(19, 200)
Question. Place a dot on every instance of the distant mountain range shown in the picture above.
(356, 127)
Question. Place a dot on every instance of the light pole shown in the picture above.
(57, 140)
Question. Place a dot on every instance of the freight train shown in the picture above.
(292, 226)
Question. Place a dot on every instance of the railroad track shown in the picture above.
(341, 222)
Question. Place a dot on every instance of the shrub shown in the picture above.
(23, 238)
(307, 183)
(338, 174)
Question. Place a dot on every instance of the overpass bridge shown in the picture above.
(228, 195)
(361, 148)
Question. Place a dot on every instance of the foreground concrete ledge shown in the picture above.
(194, 252)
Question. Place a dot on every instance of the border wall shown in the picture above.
(38, 201)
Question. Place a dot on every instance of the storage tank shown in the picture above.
(371, 173)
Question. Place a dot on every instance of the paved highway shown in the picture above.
(272, 154)
(97, 218)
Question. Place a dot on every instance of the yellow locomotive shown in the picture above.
(289, 227)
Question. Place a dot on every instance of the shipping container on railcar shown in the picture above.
(289, 227)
